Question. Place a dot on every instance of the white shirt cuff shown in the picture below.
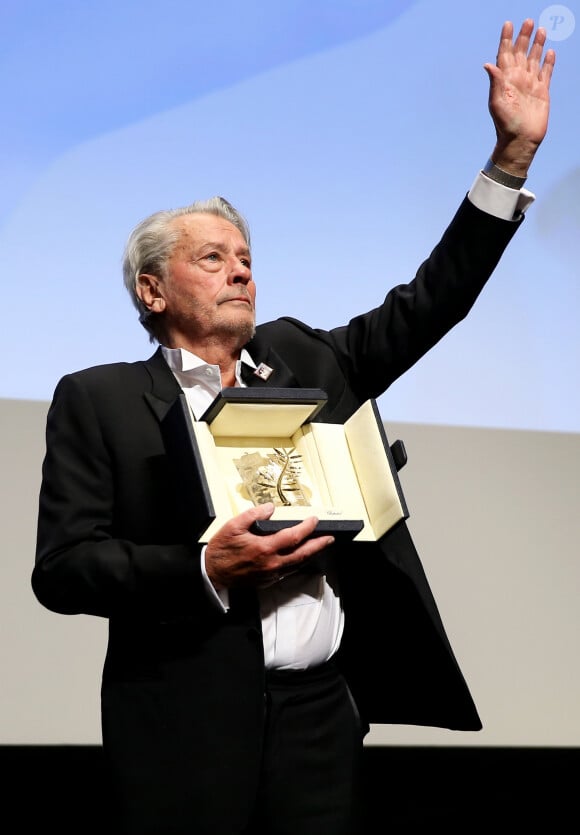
(497, 200)
(222, 597)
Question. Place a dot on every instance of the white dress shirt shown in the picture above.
(302, 618)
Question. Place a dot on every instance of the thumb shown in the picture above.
(492, 71)
(260, 511)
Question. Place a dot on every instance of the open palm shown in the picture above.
(519, 94)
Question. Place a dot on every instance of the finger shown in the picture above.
(261, 511)
(493, 72)
(505, 49)
(288, 539)
(289, 548)
(246, 518)
(522, 42)
(548, 67)
(287, 564)
(535, 54)
(315, 544)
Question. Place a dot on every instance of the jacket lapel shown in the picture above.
(164, 387)
(277, 372)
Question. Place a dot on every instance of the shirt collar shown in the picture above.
(181, 360)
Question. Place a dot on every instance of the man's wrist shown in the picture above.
(504, 178)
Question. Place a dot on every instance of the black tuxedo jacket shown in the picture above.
(182, 688)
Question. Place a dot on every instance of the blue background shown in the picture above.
(346, 132)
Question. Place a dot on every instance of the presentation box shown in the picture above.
(254, 446)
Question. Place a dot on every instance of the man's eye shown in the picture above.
(213, 256)
(246, 262)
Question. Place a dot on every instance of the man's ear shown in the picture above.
(149, 291)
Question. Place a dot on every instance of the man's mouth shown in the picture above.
(245, 299)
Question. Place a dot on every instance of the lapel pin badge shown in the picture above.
(263, 371)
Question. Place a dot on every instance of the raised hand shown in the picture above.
(519, 96)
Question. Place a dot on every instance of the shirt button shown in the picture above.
(209, 372)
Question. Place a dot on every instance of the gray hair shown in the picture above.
(151, 243)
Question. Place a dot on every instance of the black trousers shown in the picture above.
(311, 758)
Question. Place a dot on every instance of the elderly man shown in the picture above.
(234, 701)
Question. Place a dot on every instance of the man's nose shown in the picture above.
(240, 273)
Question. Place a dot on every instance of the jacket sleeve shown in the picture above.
(107, 543)
(379, 346)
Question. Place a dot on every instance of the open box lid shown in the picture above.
(238, 411)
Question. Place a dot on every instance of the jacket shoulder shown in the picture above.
(112, 376)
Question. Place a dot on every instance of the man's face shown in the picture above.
(208, 294)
